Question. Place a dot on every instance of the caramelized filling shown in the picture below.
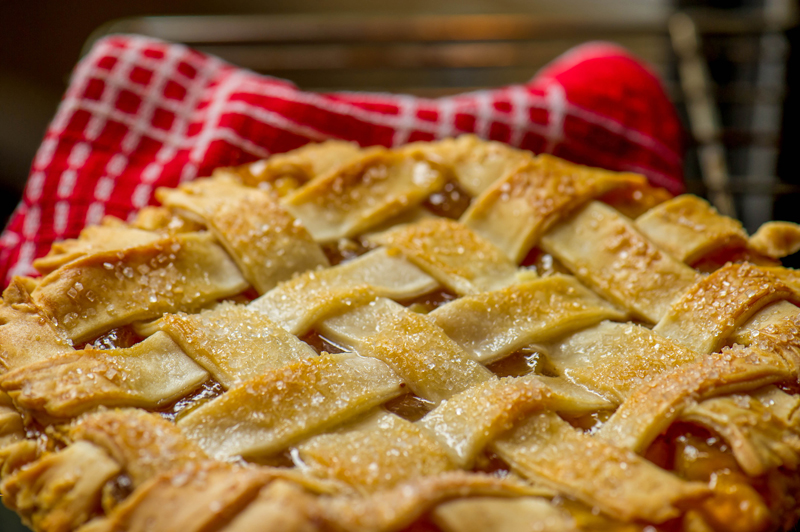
(662, 453)
(633, 201)
(282, 186)
(119, 338)
(409, 407)
(283, 460)
(115, 491)
(492, 464)
(718, 258)
(523, 362)
(544, 263)
(205, 392)
(46, 438)
(320, 344)
(790, 387)
(589, 422)
(449, 202)
(423, 524)
(736, 504)
(345, 249)
(244, 298)
(782, 488)
(588, 518)
(429, 302)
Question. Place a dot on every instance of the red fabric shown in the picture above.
(141, 113)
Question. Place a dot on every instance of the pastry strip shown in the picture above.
(452, 254)
(267, 243)
(363, 193)
(234, 343)
(479, 514)
(102, 291)
(780, 338)
(760, 441)
(789, 276)
(688, 227)
(375, 453)
(432, 365)
(780, 404)
(142, 443)
(547, 449)
(27, 335)
(280, 506)
(149, 374)
(517, 210)
(491, 325)
(712, 309)
(652, 407)
(284, 506)
(384, 449)
(776, 239)
(11, 426)
(468, 421)
(772, 314)
(298, 304)
(614, 358)
(62, 490)
(476, 163)
(399, 507)
(268, 413)
(112, 235)
(198, 497)
(605, 251)
(296, 167)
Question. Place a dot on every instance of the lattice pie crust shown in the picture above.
(452, 336)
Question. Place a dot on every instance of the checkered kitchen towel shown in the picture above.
(141, 114)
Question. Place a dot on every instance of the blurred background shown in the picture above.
(727, 65)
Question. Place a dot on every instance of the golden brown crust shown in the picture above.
(707, 313)
(27, 334)
(688, 228)
(465, 391)
(60, 491)
(267, 243)
(265, 414)
(615, 480)
(143, 444)
(522, 314)
(310, 298)
(439, 248)
(606, 251)
(234, 343)
(654, 405)
(433, 365)
(98, 292)
(148, 375)
(201, 496)
(776, 239)
(95, 238)
(363, 193)
(286, 171)
(518, 209)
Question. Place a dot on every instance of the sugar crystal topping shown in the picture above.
(453, 336)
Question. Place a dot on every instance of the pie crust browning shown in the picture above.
(452, 336)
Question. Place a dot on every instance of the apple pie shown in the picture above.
(454, 336)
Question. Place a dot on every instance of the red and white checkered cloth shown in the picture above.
(140, 114)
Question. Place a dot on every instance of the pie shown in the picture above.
(453, 336)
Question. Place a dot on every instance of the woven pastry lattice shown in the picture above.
(445, 336)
